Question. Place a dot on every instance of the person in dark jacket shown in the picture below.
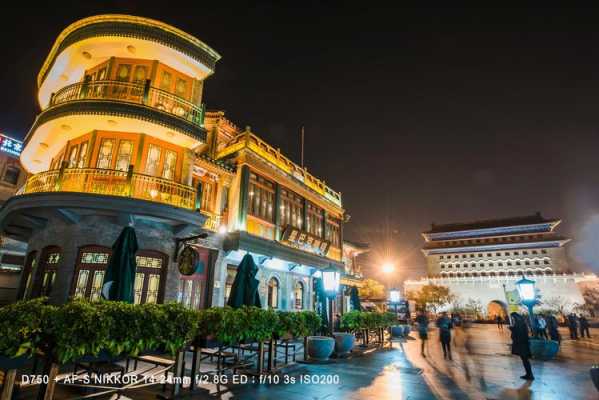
(584, 326)
(444, 324)
(573, 326)
(422, 325)
(520, 344)
(552, 328)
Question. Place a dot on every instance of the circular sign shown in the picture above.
(187, 261)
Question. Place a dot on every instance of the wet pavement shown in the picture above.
(483, 367)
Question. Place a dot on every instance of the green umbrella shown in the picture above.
(354, 298)
(321, 298)
(244, 291)
(119, 279)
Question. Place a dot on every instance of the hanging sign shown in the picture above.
(10, 145)
(193, 260)
(305, 241)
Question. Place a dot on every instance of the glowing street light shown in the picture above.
(388, 267)
(394, 296)
(526, 290)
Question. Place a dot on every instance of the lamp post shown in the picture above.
(526, 290)
(330, 281)
(394, 298)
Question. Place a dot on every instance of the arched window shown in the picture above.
(299, 295)
(89, 272)
(273, 293)
(27, 276)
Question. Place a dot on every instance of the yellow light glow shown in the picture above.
(388, 267)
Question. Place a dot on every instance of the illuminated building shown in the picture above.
(123, 139)
(475, 260)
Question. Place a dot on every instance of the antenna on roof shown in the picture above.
(302, 147)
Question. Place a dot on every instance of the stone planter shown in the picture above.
(399, 331)
(344, 343)
(320, 348)
(543, 349)
(595, 376)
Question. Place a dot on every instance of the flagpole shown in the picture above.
(302, 148)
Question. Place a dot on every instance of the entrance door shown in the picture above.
(27, 276)
(193, 289)
(48, 267)
(150, 276)
(89, 272)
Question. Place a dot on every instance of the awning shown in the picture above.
(258, 245)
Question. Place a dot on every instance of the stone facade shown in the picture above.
(476, 260)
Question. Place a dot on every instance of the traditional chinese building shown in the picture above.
(123, 139)
(475, 260)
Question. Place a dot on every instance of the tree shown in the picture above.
(431, 297)
(591, 300)
(474, 307)
(558, 305)
(372, 289)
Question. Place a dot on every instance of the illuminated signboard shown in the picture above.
(10, 145)
(304, 241)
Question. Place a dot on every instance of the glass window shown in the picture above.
(291, 209)
(139, 76)
(123, 73)
(261, 198)
(299, 296)
(314, 220)
(82, 155)
(138, 288)
(153, 160)
(333, 233)
(170, 163)
(97, 285)
(124, 153)
(273, 293)
(11, 175)
(180, 87)
(153, 286)
(165, 82)
(105, 154)
(73, 157)
(81, 283)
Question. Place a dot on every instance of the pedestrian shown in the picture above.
(499, 321)
(520, 344)
(573, 326)
(584, 326)
(422, 322)
(444, 324)
(552, 327)
(542, 327)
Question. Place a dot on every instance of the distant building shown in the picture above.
(12, 252)
(475, 260)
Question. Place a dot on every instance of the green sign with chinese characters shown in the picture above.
(295, 237)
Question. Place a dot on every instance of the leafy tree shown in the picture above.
(558, 305)
(591, 300)
(372, 289)
(474, 307)
(431, 297)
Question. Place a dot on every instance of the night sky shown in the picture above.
(415, 115)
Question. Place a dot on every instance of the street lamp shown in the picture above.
(388, 267)
(526, 290)
(394, 298)
(330, 281)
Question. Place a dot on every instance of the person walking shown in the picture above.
(444, 324)
(552, 327)
(499, 321)
(573, 326)
(520, 344)
(542, 327)
(422, 322)
(584, 326)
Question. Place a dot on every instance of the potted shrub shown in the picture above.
(543, 349)
(318, 348)
(22, 331)
(595, 376)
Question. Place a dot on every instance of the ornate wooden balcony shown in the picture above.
(136, 93)
(112, 183)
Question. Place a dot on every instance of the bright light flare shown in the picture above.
(388, 267)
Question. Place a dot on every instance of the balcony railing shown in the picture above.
(137, 93)
(112, 183)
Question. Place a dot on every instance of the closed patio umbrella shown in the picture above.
(119, 279)
(354, 298)
(244, 291)
(321, 297)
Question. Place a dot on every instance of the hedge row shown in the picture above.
(356, 320)
(81, 328)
